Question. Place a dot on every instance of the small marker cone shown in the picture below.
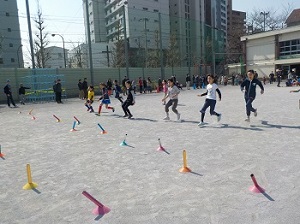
(57, 119)
(124, 142)
(73, 129)
(103, 131)
(30, 111)
(30, 185)
(33, 118)
(255, 188)
(1, 154)
(184, 169)
(160, 148)
(100, 209)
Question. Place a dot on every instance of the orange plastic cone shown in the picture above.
(1, 154)
(184, 169)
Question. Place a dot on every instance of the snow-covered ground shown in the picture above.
(142, 185)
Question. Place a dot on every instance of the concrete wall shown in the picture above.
(71, 77)
(261, 55)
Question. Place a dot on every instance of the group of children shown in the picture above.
(105, 100)
(171, 91)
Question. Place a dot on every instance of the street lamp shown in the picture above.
(18, 54)
(265, 14)
(63, 40)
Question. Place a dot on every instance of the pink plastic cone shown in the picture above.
(256, 188)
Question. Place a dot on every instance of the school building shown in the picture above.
(272, 51)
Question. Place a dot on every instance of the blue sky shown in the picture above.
(65, 17)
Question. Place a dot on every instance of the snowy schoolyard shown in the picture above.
(142, 185)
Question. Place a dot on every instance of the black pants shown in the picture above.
(211, 104)
(10, 99)
(58, 97)
(171, 102)
(117, 96)
(125, 106)
(249, 107)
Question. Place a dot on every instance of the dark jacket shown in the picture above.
(22, 90)
(58, 88)
(130, 98)
(7, 89)
(80, 85)
(250, 87)
(84, 85)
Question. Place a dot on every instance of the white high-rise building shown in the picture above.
(106, 19)
(11, 55)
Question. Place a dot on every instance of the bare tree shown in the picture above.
(268, 19)
(154, 54)
(118, 56)
(41, 42)
(173, 56)
(77, 59)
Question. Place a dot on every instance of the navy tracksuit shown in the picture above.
(250, 93)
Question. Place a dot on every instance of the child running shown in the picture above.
(129, 101)
(105, 99)
(90, 99)
(165, 90)
(249, 85)
(212, 89)
(118, 90)
(173, 92)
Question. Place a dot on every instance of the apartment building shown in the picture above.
(11, 55)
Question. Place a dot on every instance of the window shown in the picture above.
(145, 8)
(59, 55)
(1, 60)
(155, 10)
(12, 60)
(8, 29)
(11, 45)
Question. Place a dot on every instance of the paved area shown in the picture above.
(142, 185)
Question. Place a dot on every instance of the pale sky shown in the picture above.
(65, 17)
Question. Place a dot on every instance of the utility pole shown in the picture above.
(89, 40)
(107, 55)
(125, 40)
(30, 34)
(162, 71)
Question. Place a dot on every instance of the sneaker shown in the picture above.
(113, 109)
(219, 117)
(255, 113)
(92, 111)
(247, 119)
(126, 115)
(166, 119)
(178, 116)
(201, 124)
(130, 116)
